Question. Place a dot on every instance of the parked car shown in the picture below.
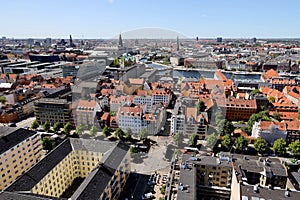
(147, 196)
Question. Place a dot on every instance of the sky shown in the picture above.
(107, 18)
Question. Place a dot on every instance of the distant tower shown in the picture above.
(219, 40)
(120, 41)
(197, 38)
(48, 42)
(254, 40)
(136, 42)
(177, 44)
(71, 41)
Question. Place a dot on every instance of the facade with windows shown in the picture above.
(52, 110)
(20, 149)
(86, 112)
(102, 165)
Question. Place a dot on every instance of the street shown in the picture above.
(25, 123)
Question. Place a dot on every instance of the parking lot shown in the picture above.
(149, 171)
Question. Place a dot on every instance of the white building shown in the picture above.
(177, 123)
(269, 131)
(136, 118)
(116, 101)
(161, 96)
(144, 100)
(130, 117)
(86, 112)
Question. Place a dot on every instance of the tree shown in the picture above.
(228, 127)
(119, 133)
(67, 128)
(271, 99)
(218, 117)
(79, 129)
(201, 106)
(143, 134)
(279, 147)
(193, 139)
(93, 130)
(263, 115)
(106, 131)
(163, 189)
(3, 100)
(47, 144)
(178, 137)
(128, 133)
(260, 145)
(299, 113)
(46, 126)
(256, 91)
(35, 124)
(225, 127)
(277, 116)
(211, 140)
(112, 113)
(116, 62)
(226, 141)
(295, 147)
(56, 127)
(241, 143)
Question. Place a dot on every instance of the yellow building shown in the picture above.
(20, 149)
(102, 166)
(205, 177)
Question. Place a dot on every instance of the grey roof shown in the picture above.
(91, 145)
(96, 182)
(188, 177)
(296, 177)
(148, 74)
(28, 180)
(166, 79)
(207, 160)
(27, 196)
(10, 137)
(255, 164)
(247, 193)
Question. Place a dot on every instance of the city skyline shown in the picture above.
(107, 18)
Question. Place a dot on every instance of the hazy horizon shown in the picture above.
(104, 19)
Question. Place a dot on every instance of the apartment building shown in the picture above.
(271, 131)
(131, 117)
(103, 167)
(292, 93)
(115, 102)
(279, 83)
(237, 109)
(162, 96)
(20, 149)
(205, 177)
(144, 99)
(262, 171)
(86, 112)
(52, 110)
